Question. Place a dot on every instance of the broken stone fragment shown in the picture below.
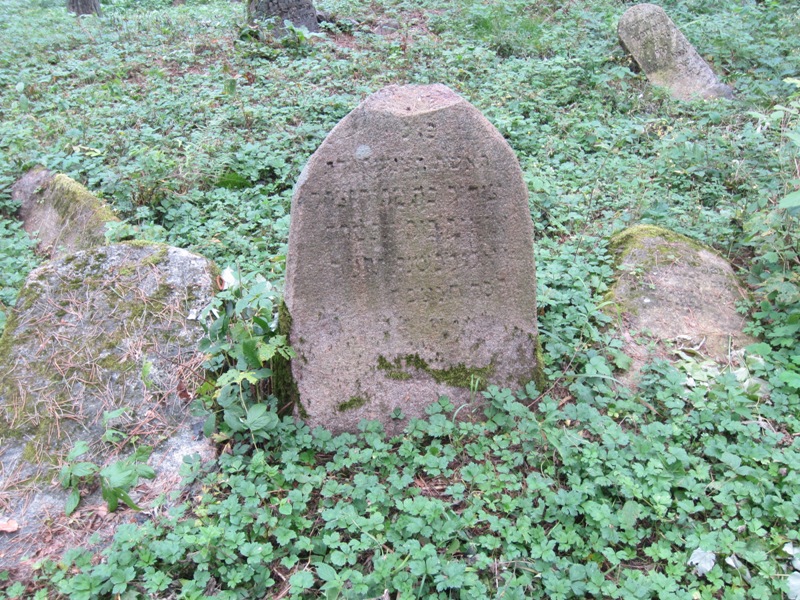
(100, 332)
(60, 213)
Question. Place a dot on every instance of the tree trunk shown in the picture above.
(300, 12)
(84, 7)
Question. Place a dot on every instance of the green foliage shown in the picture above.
(16, 261)
(115, 480)
(773, 233)
(241, 342)
(554, 502)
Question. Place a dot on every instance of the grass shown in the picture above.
(195, 132)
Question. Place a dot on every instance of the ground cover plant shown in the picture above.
(194, 127)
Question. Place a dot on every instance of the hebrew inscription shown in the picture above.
(666, 56)
(411, 243)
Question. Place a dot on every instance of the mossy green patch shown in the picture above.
(70, 199)
(393, 370)
(627, 240)
(538, 377)
(353, 403)
(214, 272)
(460, 375)
(283, 384)
(158, 256)
(144, 244)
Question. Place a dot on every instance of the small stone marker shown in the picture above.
(678, 291)
(410, 271)
(666, 56)
(64, 215)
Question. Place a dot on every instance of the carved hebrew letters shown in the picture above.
(666, 56)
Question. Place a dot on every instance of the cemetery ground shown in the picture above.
(195, 130)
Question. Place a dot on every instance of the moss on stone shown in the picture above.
(112, 362)
(214, 273)
(70, 198)
(393, 370)
(460, 375)
(538, 377)
(158, 256)
(143, 244)
(663, 251)
(353, 403)
(6, 340)
(623, 242)
(283, 384)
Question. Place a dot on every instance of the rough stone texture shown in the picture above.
(666, 56)
(300, 12)
(678, 291)
(62, 214)
(76, 345)
(410, 271)
(84, 7)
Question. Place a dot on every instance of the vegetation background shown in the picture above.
(194, 127)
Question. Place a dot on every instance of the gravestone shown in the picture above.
(410, 271)
(300, 12)
(101, 332)
(666, 56)
(62, 214)
(676, 292)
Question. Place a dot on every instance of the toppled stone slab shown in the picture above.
(62, 214)
(96, 332)
(666, 56)
(410, 271)
(675, 291)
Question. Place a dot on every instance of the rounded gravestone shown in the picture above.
(666, 56)
(410, 272)
(678, 292)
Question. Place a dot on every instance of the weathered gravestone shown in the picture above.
(410, 271)
(666, 56)
(63, 215)
(99, 340)
(300, 12)
(678, 292)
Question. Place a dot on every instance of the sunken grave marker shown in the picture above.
(666, 56)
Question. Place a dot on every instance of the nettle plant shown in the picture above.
(242, 341)
(115, 479)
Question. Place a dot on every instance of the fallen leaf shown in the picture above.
(702, 561)
(794, 586)
(9, 526)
